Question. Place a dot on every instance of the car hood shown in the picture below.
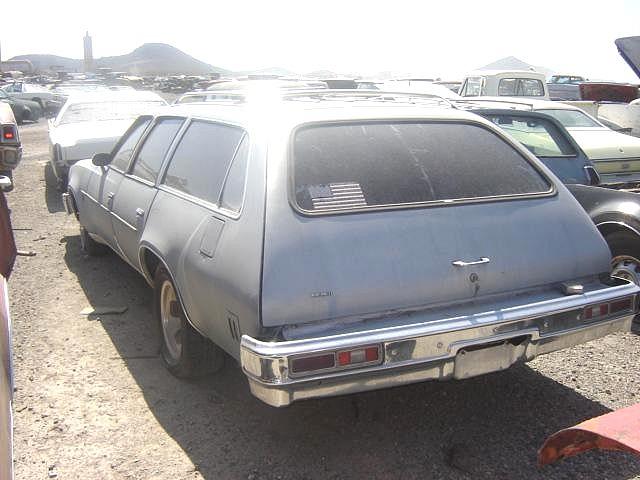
(70, 134)
(602, 143)
(629, 49)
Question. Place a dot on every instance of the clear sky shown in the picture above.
(445, 38)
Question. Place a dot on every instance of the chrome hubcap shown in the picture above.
(171, 324)
(627, 268)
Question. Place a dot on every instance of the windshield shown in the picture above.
(102, 111)
(571, 118)
(540, 136)
(347, 166)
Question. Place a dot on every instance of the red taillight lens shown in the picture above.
(621, 305)
(9, 133)
(310, 364)
(359, 355)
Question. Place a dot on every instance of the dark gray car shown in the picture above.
(335, 242)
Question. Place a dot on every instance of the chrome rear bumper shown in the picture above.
(457, 347)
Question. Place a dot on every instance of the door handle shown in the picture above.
(460, 263)
(110, 195)
(139, 212)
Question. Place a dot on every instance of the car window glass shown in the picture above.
(201, 160)
(473, 87)
(530, 87)
(571, 118)
(376, 164)
(507, 87)
(151, 155)
(233, 191)
(123, 155)
(540, 136)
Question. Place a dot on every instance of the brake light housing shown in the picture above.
(333, 361)
(9, 133)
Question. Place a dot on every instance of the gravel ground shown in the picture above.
(93, 401)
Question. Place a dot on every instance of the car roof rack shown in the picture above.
(353, 95)
(483, 102)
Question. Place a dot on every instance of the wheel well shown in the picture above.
(149, 262)
(609, 228)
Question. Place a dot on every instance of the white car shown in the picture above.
(91, 123)
(615, 155)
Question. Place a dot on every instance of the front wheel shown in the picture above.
(185, 352)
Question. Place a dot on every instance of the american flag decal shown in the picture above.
(339, 195)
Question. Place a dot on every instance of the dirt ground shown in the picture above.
(93, 401)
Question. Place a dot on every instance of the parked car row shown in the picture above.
(91, 123)
(334, 242)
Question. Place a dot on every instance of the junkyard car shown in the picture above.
(23, 110)
(615, 155)
(10, 146)
(7, 257)
(615, 213)
(91, 123)
(35, 93)
(336, 242)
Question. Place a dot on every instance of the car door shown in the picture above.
(189, 198)
(136, 191)
(103, 182)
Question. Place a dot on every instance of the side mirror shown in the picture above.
(101, 159)
(592, 175)
(5, 183)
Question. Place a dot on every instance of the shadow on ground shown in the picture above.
(487, 427)
(52, 196)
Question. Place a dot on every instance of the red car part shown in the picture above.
(619, 430)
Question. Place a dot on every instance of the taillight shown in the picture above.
(313, 363)
(337, 360)
(624, 305)
(359, 355)
(9, 132)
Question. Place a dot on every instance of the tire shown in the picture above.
(625, 253)
(185, 353)
(89, 246)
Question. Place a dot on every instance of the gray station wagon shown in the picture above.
(337, 242)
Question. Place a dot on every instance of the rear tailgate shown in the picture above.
(352, 250)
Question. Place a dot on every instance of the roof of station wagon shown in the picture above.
(290, 112)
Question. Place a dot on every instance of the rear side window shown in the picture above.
(350, 166)
(151, 155)
(123, 155)
(540, 136)
(233, 190)
(201, 160)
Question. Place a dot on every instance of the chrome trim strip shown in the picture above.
(123, 221)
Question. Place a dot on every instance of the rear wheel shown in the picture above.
(89, 245)
(625, 261)
(185, 352)
(625, 253)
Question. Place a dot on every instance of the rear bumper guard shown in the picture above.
(457, 347)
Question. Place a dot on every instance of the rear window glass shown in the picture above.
(520, 87)
(364, 165)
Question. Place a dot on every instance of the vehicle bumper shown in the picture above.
(10, 156)
(457, 347)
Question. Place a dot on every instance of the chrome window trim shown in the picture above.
(402, 206)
